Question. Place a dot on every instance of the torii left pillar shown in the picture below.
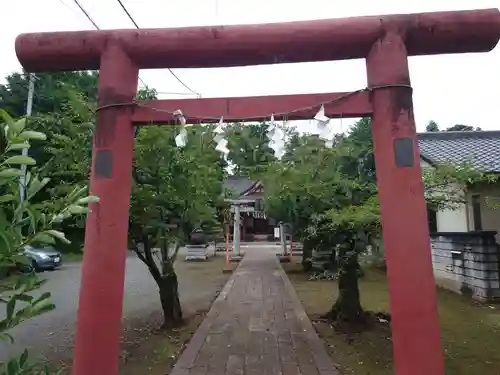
(98, 328)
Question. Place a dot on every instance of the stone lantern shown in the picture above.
(198, 237)
(197, 245)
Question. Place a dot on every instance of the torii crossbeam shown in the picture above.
(384, 41)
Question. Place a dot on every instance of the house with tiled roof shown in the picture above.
(248, 195)
(481, 150)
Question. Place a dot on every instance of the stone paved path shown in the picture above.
(257, 326)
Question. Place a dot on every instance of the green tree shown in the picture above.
(299, 186)
(66, 154)
(22, 223)
(432, 126)
(175, 191)
(146, 93)
(249, 146)
(330, 196)
(462, 128)
(51, 91)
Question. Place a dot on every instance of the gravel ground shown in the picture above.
(51, 335)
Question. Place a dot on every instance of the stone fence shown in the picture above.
(467, 262)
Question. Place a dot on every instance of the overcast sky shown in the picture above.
(448, 89)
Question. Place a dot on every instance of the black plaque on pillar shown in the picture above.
(103, 164)
(403, 152)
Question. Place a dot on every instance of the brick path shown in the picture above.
(257, 326)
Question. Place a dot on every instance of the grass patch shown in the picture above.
(470, 331)
(7, 283)
(72, 257)
(151, 351)
(159, 350)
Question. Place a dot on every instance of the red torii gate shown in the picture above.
(384, 41)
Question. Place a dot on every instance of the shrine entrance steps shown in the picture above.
(257, 326)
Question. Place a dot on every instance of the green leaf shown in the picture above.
(6, 117)
(45, 296)
(4, 336)
(28, 134)
(17, 146)
(58, 218)
(6, 198)
(10, 172)
(23, 360)
(43, 308)
(20, 159)
(36, 186)
(44, 238)
(59, 235)
(31, 217)
(11, 305)
(87, 200)
(18, 126)
(77, 210)
(12, 367)
(24, 297)
(77, 192)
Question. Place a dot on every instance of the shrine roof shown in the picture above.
(238, 185)
(480, 148)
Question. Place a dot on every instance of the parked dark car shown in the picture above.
(42, 259)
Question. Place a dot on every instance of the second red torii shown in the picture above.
(253, 108)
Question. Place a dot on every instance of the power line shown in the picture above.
(95, 25)
(128, 14)
(86, 14)
(170, 70)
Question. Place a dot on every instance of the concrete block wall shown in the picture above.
(467, 262)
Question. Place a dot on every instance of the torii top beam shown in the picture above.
(224, 46)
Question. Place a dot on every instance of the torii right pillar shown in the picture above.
(414, 314)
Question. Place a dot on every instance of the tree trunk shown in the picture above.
(170, 304)
(332, 261)
(307, 251)
(347, 308)
(166, 279)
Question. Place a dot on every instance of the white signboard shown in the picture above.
(277, 232)
(244, 208)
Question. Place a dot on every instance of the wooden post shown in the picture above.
(415, 323)
(98, 328)
(227, 246)
(236, 230)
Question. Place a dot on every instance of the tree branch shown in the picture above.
(147, 258)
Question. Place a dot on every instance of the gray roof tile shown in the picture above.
(238, 185)
(480, 148)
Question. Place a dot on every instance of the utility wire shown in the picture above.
(128, 14)
(170, 70)
(86, 14)
(95, 25)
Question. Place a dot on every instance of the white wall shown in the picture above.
(456, 219)
(424, 164)
(462, 219)
(490, 206)
(452, 220)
